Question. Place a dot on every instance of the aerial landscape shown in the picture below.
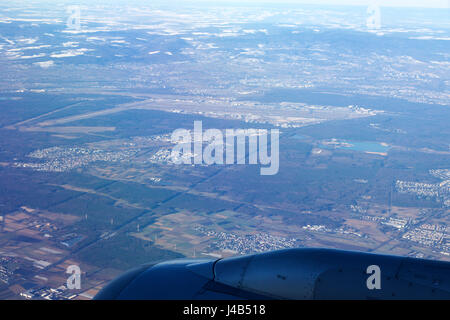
(91, 94)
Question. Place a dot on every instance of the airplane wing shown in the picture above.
(305, 273)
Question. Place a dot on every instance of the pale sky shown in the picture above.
(385, 3)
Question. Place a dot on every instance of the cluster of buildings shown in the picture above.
(364, 111)
(378, 127)
(429, 235)
(164, 156)
(395, 222)
(439, 191)
(60, 293)
(434, 236)
(247, 244)
(357, 209)
(322, 228)
(443, 174)
(420, 189)
(142, 141)
(58, 159)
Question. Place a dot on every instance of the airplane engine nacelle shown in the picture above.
(287, 274)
